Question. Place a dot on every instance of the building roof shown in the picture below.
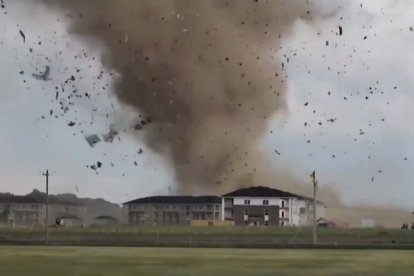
(34, 198)
(176, 200)
(8, 198)
(261, 191)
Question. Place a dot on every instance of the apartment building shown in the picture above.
(30, 210)
(173, 210)
(267, 206)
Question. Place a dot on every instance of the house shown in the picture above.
(29, 210)
(268, 206)
(173, 210)
(324, 223)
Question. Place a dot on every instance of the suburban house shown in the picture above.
(170, 210)
(30, 210)
(267, 206)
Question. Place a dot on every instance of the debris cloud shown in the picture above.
(209, 74)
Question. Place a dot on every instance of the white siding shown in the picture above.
(297, 218)
(291, 208)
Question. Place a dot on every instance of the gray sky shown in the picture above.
(366, 154)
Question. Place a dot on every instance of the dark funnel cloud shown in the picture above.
(205, 76)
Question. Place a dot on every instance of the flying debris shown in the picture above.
(277, 152)
(93, 140)
(23, 36)
(96, 166)
(43, 76)
(110, 136)
(340, 30)
(72, 78)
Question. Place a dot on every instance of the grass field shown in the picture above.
(185, 236)
(87, 261)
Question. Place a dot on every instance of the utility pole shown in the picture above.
(47, 208)
(315, 184)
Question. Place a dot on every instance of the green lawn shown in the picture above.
(82, 261)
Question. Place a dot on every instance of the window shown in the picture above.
(246, 212)
(283, 203)
(283, 214)
(266, 223)
(302, 210)
(265, 202)
(266, 212)
(246, 202)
